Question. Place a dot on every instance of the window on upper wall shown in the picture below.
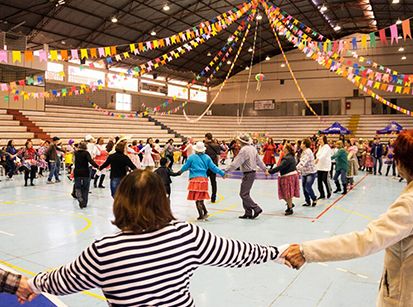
(54, 71)
(84, 75)
(123, 102)
(198, 95)
(122, 82)
(177, 91)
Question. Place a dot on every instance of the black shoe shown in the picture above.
(321, 197)
(257, 213)
(328, 195)
(32, 184)
(289, 212)
(380, 173)
(314, 203)
(73, 195)
(101, 187)
(25, 184)
(306, 205)
(213, 199)
(344, 192)
(337, 191)
(245, 217)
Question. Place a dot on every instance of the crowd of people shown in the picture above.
(150, 260)
(311, 159)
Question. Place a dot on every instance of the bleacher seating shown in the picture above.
(11, 129)
(76, 122)
(279, 128)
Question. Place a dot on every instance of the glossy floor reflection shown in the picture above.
(42, 227)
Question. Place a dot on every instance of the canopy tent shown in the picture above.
(335, 128)
(393, 127)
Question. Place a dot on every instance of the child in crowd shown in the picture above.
(165, 173)
(341, 167)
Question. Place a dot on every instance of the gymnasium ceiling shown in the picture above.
(87, 23)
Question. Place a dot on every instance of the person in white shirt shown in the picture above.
(323, 164)
(93, 150)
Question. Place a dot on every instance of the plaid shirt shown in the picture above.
(306, 165)
(9, 282)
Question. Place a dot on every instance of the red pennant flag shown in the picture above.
(406, 29)
(383, 38)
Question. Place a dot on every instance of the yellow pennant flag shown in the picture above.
(364, 41)
(107, 51)
(16, 56)
(132, 47)
(83, 54)
(126, 55)
(53, 55)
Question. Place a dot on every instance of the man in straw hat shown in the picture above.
(248, 160)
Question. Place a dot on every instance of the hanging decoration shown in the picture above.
(110, 53)
(259, 78)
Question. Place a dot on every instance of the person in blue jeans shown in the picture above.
(11, 153)
(53, 160)
(341, 167)
(377, 154)
(308, 171)
(119, 164)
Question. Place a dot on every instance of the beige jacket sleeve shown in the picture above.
(393, 226)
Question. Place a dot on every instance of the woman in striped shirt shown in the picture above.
(150, 261)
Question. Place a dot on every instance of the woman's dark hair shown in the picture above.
(325, 141)
(109, 146)
(9, 143)
(170, 140)
(98, 140)
(141, 204)
(289, 148)
(157, 141)
(403, 149)
(147, 141)
(27, 143)
(134, 142)
(120, 147)
(271, 141)
(82, 146)
(307, 143)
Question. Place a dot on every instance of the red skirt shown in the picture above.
(198, 189)
(288, 187)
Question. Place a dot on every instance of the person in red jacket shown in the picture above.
(269, 153)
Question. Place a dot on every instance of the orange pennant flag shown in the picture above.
(64, 55)
(93, 53)
(113, 50)
(28, 56)
(406, 29)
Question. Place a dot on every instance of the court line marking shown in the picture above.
(337, 200)
(7, 233)
(30, 273)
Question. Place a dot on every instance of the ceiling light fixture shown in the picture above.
(267, 58)
(229, 62)
(395, 2)
(166, 7)
(250, 49)
(323, 8)
(398, 22)
(209, 54)
(153, 33)
(282, 65)
(259, 17)
(401, 49)
(337, 28)
(404, 58)
(247, 68)
(114, 19)
(63, 42)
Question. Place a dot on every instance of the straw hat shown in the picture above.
(89, 138)
(122, 138)
(245, 139)
(199, 147)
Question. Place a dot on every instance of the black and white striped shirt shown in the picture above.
(151, 269)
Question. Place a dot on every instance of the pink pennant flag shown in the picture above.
(390, 88)
(394, 34)
(406, 29)
(74, 53)
(43, 55)
(3, 56)
(101, 52)
(383, 38)
(370, 83)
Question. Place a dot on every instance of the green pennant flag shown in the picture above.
(372, 40)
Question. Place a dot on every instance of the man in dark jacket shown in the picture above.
(212, 150)
(377, 154)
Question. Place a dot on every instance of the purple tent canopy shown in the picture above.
(393, 127)
(335, 128)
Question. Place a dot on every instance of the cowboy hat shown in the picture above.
(199, 147)
(245, 139)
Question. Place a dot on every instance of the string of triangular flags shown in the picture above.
(107, 52)
(299, 42)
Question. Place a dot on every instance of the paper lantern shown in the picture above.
(259, 77)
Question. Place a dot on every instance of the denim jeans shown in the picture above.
(114, 183)
(380, 161)
(308, 181)
(82, 185)
(53, 171)
(343, 175)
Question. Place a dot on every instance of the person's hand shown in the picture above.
(316, 161)
(267, 173)
(225, 176)
(294, 256)
(24, 292)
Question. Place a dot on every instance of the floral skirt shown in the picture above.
(288, 186)
(198, 189)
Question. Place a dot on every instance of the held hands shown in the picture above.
(293, 257)
(24, 292)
